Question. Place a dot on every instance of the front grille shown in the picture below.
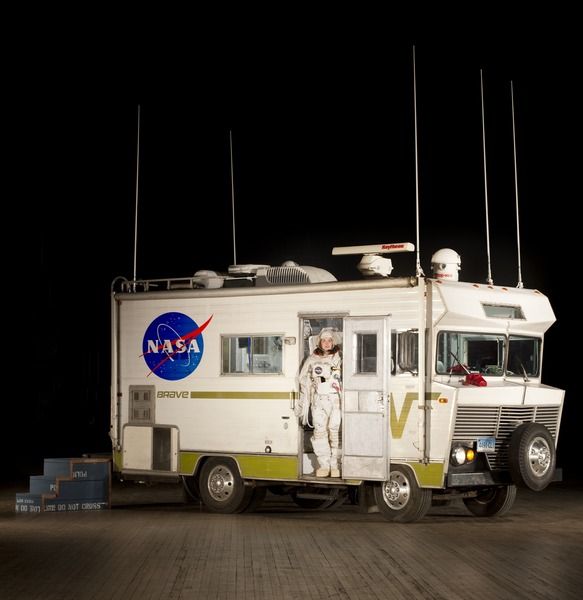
(500, 421)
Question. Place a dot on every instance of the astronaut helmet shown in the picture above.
(329, 333)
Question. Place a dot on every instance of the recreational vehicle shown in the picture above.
(441, 386)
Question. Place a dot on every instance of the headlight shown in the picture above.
(460, 455)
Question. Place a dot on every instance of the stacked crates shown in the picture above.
(68, 484)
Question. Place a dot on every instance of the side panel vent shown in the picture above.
(142, 404)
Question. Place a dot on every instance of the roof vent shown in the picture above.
(291, 273)
(208, 279)
(245, 270)
(286, 276)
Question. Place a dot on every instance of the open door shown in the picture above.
(365, 373)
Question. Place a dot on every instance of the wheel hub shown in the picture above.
(396, 491)
(539, 455)
(220, 484)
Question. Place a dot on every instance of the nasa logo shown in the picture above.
(318, 370)
(173, 345)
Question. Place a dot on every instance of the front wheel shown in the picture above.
(221, 487)
(492, 502)
(400, 498)
(532, 456)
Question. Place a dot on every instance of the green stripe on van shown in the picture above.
(430, 475)
(187, 462)
(252, 466)
(268, 467)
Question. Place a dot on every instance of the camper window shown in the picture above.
(503, 311)
(405, 348)
(251, 354)
(366, 353)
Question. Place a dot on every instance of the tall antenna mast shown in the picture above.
(418, 270)
(519, 284)
(490, 280)
(137, 190)
(233, 197)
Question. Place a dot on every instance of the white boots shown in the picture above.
(324, 472)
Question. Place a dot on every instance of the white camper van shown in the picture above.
(442, 393)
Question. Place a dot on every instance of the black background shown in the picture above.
(323, 151)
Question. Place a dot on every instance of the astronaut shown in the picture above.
(320, 382)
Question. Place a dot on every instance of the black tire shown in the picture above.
(492, 502)
(400, 499)
(192, 491)
(256, 499)
(315, 503)
(221, 488)
(532, 456)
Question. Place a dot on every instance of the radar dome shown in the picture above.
(445, 264)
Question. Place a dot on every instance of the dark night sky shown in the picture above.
(323, 156)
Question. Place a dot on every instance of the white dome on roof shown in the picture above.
(445, 264)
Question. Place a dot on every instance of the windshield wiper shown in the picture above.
(523, 370)
(459, 363)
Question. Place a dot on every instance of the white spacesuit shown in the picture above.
(320, 387)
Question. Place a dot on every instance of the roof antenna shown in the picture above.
(233, 197)
(490, 280)
(137, 189)
(418, 269)
(519, 284)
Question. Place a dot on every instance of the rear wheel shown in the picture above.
(492, 502)
(532, 456)
(400, 498)
(221, 487)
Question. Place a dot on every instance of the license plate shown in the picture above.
(486, 444)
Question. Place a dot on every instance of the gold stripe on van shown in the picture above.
(251, 466)
(430, 475)
(245, 395)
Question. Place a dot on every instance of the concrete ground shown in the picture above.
(152, 544)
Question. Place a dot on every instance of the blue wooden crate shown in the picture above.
(68, 489)
(41, 484)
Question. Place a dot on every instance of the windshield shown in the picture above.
(466, 352)
(523, 356)
(463, 352)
